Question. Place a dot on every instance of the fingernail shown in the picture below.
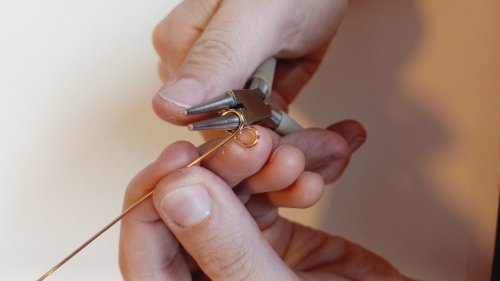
(182, 92)
(355, 143)
(187, 206)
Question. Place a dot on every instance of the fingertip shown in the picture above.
(168, 111)
(265, 134)
(255, 156)
(179, 151)
(244, 161)
(285, 165)
(174, 156)
(308, 189)
(304, 193)
(326, 152)
(287, 155)
(352, 131)
(287, 162)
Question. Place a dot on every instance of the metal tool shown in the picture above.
(250, 102)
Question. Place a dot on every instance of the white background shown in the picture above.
(77, 77)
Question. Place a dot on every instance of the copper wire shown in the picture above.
(233, 134)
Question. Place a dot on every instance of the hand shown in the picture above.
(196, 227)
(208, 47)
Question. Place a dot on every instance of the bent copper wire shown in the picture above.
(232, 135)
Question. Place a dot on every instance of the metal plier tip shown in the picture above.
(249, 102)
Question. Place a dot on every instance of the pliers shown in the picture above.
(250, 102)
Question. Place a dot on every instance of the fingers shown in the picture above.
(176, 155)
(317, 255)
(173, 36)
(233, 162)
(326, 152)
(283, 176)
(283, 168)
(282, 182)
(214, 227)
(208, 47)
(147, 248)
(304, 193)
(225, 46)
(352, 131)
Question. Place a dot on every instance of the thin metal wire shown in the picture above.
(233, 134)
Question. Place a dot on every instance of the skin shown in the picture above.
(207, 47)
(259, 244)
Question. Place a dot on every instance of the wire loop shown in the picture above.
(241, 128)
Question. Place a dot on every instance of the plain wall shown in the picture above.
(77, 78)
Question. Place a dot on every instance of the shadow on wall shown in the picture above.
(385, 201)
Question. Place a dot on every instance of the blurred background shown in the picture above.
(76, 82)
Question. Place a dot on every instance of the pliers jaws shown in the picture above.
(249, 102)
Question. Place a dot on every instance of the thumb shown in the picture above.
(215, 229)
(230, 47)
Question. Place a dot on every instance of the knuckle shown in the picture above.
(209, 6)
(234, 268)
(158, 36)
(214, 49)
(169, 44)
